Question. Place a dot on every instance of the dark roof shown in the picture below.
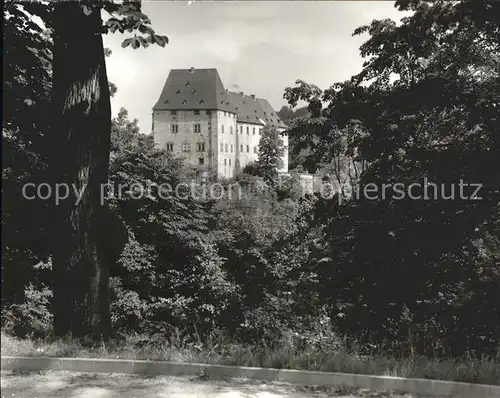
(194, 89)
(248, 108)
(270, 115)
(203, 89)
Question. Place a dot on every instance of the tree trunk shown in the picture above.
(80, 159)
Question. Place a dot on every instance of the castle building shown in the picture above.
(209, 126)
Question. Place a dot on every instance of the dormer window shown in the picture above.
(201, 102)
(178, 92)
(188, 84)
(195, 92)
(184, 102)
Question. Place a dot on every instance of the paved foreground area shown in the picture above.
(50, 384)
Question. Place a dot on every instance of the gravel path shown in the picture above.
(50, 384)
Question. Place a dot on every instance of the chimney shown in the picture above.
(242, 93)
(253, 96)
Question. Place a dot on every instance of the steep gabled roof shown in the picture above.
(255, 110)
(247, 107)
(270, 115)
(194, 89)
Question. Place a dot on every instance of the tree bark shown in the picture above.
(79, 159)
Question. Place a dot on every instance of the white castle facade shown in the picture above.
(209, 126)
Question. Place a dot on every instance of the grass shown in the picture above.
(483, 370)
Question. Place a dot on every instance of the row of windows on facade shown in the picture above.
(185, 147)
(225, 147)
(197, 129)
(197, 113)
(200, 147)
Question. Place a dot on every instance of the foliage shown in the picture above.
(450, 137)
(286, 275)
(270, 154)
(33, 317)
(25, 125)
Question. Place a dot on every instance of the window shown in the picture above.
(224, 113)
(259, 131)
(169, 146)
(221, 147)
(200, 147)
(225, 162)
(241, 148)
(186, 147)
(231, 149)
(253, 130)
(241, 129)
(225, 150)
(248, 148)
(174, 128)
(248, 130)
(229, 162)
(197, 112)
(222, 128)
(254, 149)
(173, 112)
(201, 161)
(197, 128)
(231, 129)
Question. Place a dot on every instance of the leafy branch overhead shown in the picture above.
(128, 17)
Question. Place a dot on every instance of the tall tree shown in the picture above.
(270, 155)
(26, 100)
(80, 141)
(425, 105)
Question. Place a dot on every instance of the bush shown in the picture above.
(33, 316)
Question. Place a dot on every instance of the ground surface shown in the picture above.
(50, 384)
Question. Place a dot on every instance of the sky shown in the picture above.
(258, 47)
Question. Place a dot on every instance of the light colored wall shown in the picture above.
(284, 169)
(186, 120)
(249, 139)
(163, 120)
(226, 138)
